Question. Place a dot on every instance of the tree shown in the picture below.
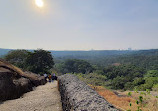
(76, 66)
(40, 61)
(17, 57)
(151, 73)
(118, 82)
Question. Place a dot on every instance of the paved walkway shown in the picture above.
(43, 98)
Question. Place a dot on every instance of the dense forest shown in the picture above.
(114, 69)
(125, 70)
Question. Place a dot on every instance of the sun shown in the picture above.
(39, 3)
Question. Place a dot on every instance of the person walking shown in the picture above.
(54, 77)
(45, 76)
(50, 77)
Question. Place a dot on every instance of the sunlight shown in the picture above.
(39, 3)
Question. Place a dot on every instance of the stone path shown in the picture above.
(43, 98)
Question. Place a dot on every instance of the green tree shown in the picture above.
(151, 73)
(17, 57)
(40, 61)
(138, 81)
(118, 82)
(149, 83)
(76, 66)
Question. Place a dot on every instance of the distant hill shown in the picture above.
(98, 54)
(147, 59)
(79, 53)
(4, 51)
(143, 58)
(92, 53)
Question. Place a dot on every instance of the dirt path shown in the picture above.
(43, 98)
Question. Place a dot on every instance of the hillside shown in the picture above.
(93, 53)
(148, 58)
(4, 51)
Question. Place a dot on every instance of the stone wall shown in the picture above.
(78, 96)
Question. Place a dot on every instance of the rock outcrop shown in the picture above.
(14, 82)
(78, 96)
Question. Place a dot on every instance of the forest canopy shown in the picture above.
(126, 70)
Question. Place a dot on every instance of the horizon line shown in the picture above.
(83, 50)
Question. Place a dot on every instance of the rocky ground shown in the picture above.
(43, 98)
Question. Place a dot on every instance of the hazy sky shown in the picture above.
(79, 24)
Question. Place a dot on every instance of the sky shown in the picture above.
(79, 24)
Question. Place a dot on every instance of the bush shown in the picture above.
(143, 87)
(155, 87)
(93, 79)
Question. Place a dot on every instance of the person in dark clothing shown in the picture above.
(54, 77)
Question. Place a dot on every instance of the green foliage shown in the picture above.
(143, 93)
(129, 71)
(75, 66)
(136, 70)
(138, 81)
(151, 73)
(93, 79)
(137, 102)
(135, 90)
(118, 82)
(128, 86)
(151, 80)
(141, 99)
(143, 87)
(129, 93)
(124, 76)
(129, 77)
(147, 59)
(155, 87)
(17, 57)
(39, 61)
(149, 83)
(148, 91)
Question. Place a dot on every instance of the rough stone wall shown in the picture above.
(78, 96)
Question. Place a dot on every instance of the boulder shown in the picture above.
(7, 87)
(14, 82)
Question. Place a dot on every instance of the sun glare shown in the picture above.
(39, 3)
